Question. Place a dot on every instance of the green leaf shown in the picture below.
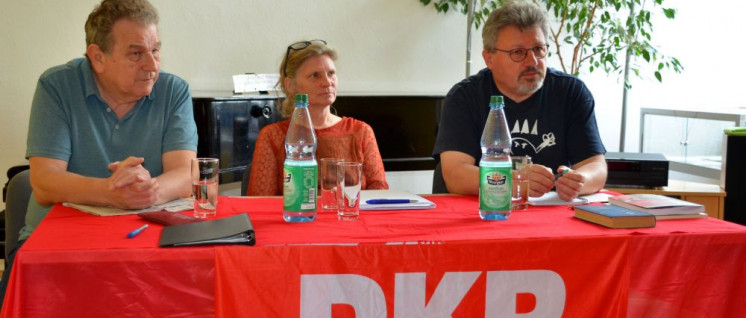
(670, 13)
(646, 55)
(658, 76)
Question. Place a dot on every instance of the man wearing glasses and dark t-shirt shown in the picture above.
(550, 114)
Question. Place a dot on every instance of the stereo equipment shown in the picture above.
(636, 170)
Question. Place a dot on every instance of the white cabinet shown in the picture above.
(691, 140)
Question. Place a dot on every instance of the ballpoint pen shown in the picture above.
(561, 173)
(390, 201)
(137, 231)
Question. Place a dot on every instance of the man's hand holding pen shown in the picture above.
(566, 182)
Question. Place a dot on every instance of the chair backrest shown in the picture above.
(245, 179)
(12, 171)
(439, 185)
(19, 193)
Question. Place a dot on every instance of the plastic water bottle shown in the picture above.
(495, 168)
(300, 168)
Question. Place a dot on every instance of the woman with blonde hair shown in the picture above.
(308, 68)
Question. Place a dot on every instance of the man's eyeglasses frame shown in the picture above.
(520, 54)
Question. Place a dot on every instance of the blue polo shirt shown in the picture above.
(71, 122)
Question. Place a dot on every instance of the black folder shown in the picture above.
(236, 229)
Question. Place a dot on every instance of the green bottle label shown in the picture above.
(299, 189)
(495, 188)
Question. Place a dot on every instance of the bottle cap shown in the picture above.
(496, 101)
(301, 99)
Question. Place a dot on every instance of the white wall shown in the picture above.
(384, 45)
(708, 40)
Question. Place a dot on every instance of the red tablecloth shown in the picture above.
(389, 263)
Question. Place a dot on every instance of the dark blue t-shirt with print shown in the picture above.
(555, 126)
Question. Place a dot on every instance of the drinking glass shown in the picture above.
(349, 209)
(521, 171)
(205, 174)
(331, 191)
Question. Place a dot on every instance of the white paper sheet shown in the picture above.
(181, 204)
(366, 195)
(551, 198)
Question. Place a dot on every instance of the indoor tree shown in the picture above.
(612, 35)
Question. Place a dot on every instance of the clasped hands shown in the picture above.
(130, 184)
(567, 186)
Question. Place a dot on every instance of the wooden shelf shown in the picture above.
(710, 195)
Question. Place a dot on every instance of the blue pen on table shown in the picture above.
(137, 231)
(390, 201)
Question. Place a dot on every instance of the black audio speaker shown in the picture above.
(734, 179)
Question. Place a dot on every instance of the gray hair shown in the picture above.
(521, 14)
(101, 20)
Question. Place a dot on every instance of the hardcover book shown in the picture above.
(614, 217)
(656, 204)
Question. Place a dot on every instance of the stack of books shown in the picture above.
(638, 210)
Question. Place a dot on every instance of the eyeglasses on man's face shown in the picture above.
(296, 47)
(518, 55)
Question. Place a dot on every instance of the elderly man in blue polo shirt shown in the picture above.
(110, 129)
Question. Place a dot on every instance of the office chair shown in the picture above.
(439, 185)
(18, 195)
(245, 179)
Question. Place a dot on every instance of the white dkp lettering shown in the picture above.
(503, 286)
(319, 292)
(409, 295)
